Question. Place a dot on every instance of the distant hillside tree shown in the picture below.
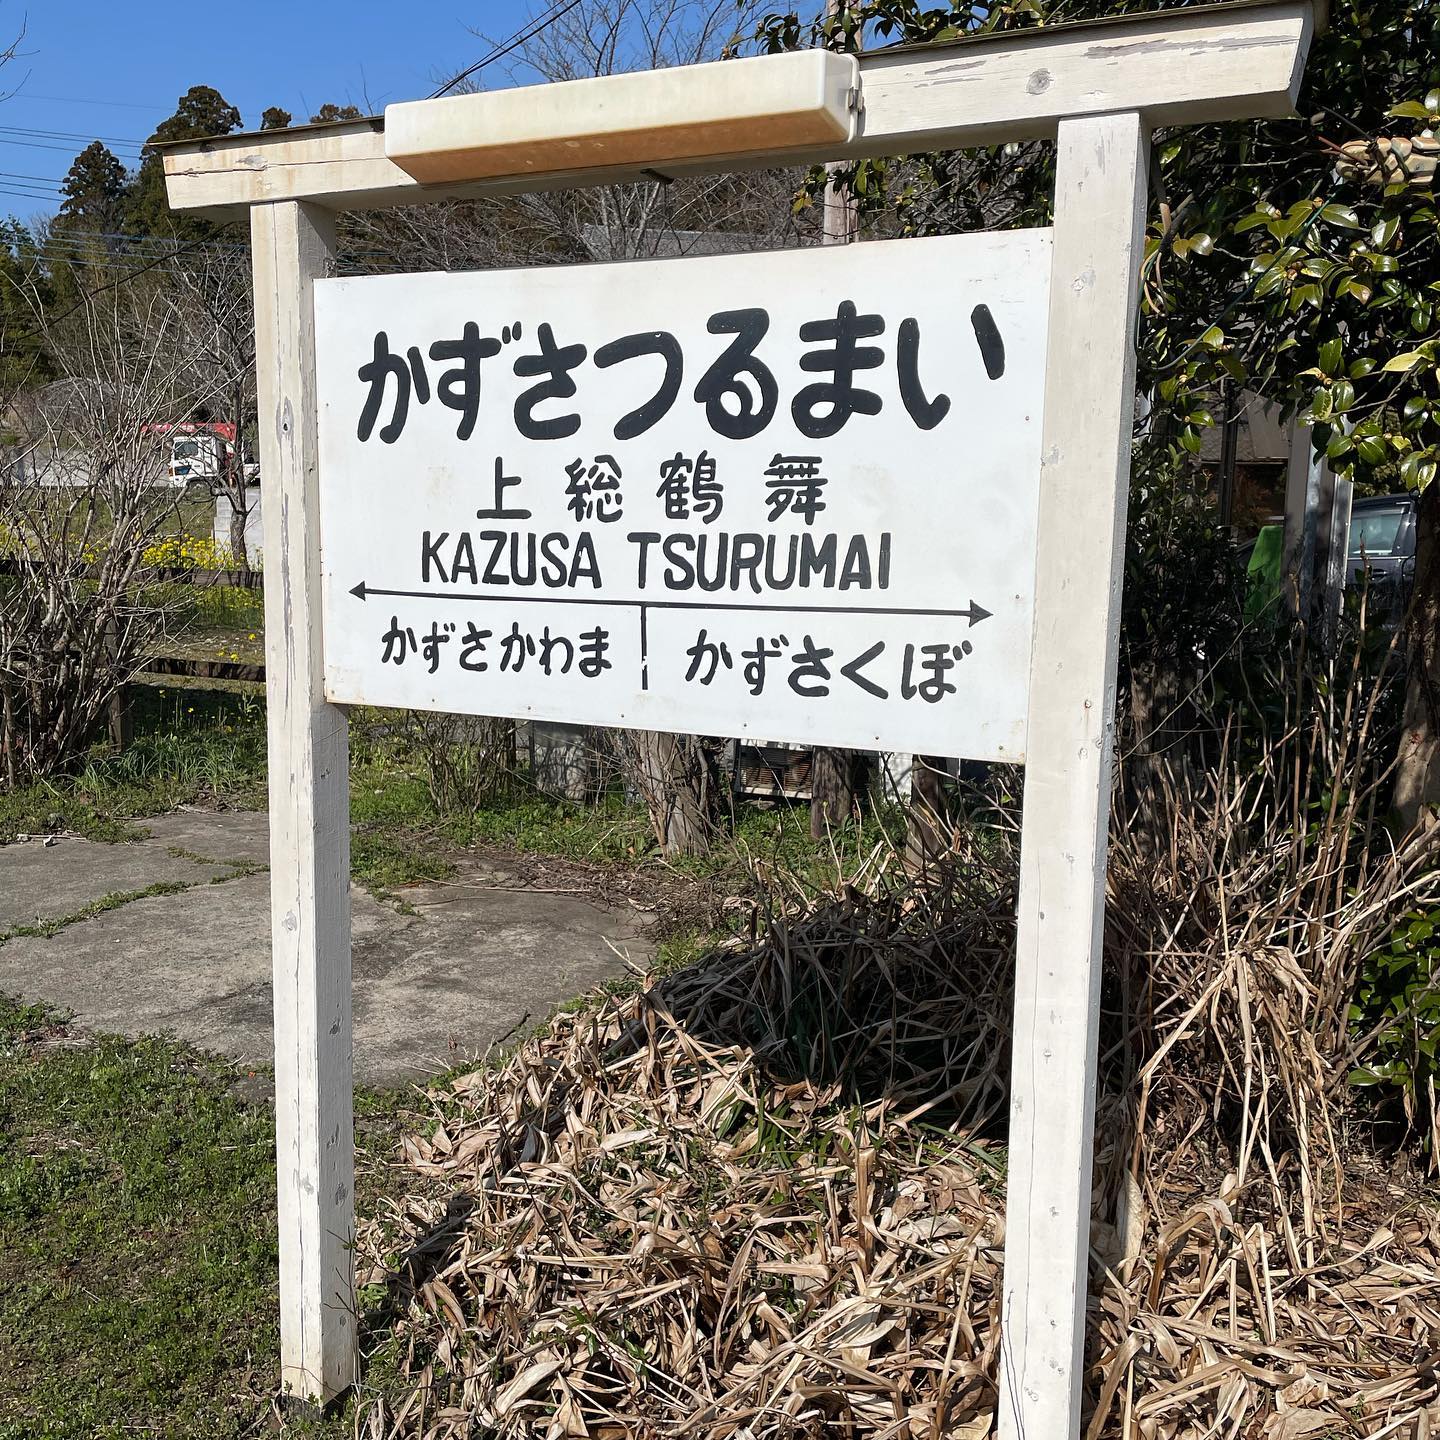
(276, 118)
(327, 112)
(94, 188)
(25, 282)
(202, 112)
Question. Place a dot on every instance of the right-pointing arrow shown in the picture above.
(978, 613)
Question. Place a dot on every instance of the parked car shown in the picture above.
(1382, 552)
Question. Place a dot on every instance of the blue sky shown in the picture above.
(106, 69)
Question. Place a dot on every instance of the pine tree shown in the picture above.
(24, 281)
(328, 113)
(94, 190)
(202, 112)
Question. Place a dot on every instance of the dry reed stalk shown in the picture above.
(764, 1197)
(680, 1213)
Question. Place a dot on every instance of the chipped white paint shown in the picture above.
(1099, 87)
(1178, 68)
(309, 828)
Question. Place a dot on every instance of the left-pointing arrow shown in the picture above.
(358, 590)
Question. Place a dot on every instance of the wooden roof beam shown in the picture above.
(1181, 66)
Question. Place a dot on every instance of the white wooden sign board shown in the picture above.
(1004, 504)
(752, 495)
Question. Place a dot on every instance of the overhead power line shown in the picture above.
(28, 195)
(152, 242)
(163, 244)
(45, 145)
(89, 295)
(17, 183)
(23, 94)
(42, 179)
(56, 249)
(69, 135)
(526, 32)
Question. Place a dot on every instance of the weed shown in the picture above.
(195, 746)
(189, 745)
(138, 1290)
(137, 1246)
(51, 925)
(1397, 1011)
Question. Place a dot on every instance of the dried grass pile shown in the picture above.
(764, 1197)
(1215, 1331)
(635, 1227)
(675, 1214)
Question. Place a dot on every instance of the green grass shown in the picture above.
(400, 839)
(215, 622)
(198, 746)
(223, 607)
(51, 925)
(189, 745)
(137, 1240)
(609, 830)
(46, 927)
(138, 1258)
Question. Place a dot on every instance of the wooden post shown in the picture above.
(293, 244)
(1084, 486)
(122, 730)
(1332, 546)
(833, 772)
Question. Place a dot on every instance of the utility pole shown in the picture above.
(840, 223)
(832, 772)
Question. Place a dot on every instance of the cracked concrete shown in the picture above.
(476, 960)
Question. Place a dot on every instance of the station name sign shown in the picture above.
(778, 496)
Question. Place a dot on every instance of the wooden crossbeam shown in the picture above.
(1182, 66)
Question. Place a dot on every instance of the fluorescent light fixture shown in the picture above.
(780, 102)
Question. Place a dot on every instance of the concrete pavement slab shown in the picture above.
(230, 835)
(475, 961)
(43, 882)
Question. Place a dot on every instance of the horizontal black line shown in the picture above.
(665, 604)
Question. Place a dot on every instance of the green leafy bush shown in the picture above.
(1398, 1002)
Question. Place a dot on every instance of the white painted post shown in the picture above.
(1305, 488)
(309, 828)
(1084, 485)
